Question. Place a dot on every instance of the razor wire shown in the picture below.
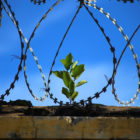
(82, 102)
(23, 58)
(44, 1)
(97, 94)
(31, 50)
(133, 53)
(12, 85)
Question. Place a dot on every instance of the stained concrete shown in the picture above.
(70, 127)
(97, 122)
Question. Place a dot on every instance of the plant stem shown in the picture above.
(70, 101)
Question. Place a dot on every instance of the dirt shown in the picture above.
(25, 108)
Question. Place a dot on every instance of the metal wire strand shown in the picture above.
(50, 73)
(12, 85)
(100, 9)
(35, 58)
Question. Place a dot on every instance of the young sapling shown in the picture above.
(69, 76)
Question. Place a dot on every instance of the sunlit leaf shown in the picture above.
(74, 65)
(81, 83)
(68, 61)
(78, 70)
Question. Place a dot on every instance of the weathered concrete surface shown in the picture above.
(102, 128)
(97, 122)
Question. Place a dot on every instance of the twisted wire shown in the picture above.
(26, 41)
(138, 90)
(112, 49)
(12, 85)
(31, 50)
(132, 50)
(35, 58)
(97, 94)
(50, 73)
(47, 88)
(38, 1)
(82, 102)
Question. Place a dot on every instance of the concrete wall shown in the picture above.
(100, 128)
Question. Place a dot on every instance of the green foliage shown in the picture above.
(81, 83)
(66, 92)
(66, 78)
(68, 61)
(71, 73)
(73, 65)
(74, 95)
(71, 86)
(59, 74)
(78, 70)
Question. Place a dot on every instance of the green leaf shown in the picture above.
(72, 86)
(66, 78)
(66, 92)
(74, 65)
(63, 61)
(78, 70)
(68, 61)
(81, 83)
(74, 95)
(58, 74)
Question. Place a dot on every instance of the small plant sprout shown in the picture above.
(71, 73)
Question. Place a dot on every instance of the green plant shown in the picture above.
(69, 76)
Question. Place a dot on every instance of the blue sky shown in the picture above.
(84, 41)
